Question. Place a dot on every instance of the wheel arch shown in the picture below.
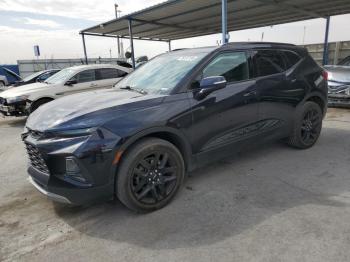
(319, 99)
(171, 135)
(33, 102)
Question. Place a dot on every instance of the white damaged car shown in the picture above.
(23, 100)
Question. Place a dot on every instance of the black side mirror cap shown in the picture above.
(70, 82)
(209, 85)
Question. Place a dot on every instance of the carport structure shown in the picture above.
(179, 19)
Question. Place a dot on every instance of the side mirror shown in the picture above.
(70, 82)
(209, 85)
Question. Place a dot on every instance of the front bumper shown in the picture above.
(50, 195)
(338, 94)
(14, 110)
(94, 155)
(336, 100)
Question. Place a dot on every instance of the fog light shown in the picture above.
(73, 170)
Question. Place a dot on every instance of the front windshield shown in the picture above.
(161, 74)
(30, 77)
(60, 77)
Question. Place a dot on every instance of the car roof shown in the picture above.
(96, 66)
(241, 46)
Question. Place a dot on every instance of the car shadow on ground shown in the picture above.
(224, 199)
(13, 121)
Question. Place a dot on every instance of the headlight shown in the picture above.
(75, 132)
(16, 99)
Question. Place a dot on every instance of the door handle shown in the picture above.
(251, 93)
(93, 85)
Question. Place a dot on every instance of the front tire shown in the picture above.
(150, 175)
(307, 126)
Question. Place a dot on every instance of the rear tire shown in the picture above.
(307, 126)
(39, 103)
(150, 175)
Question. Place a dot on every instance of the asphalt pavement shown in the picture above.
(272, 203)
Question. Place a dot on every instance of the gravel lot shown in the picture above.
(269, 204)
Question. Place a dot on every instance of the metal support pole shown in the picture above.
(169, 43)
(132, 44)
(224, 22)
(118, 42)
(84, 46)
(325, 47)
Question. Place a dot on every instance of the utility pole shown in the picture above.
(116, 16)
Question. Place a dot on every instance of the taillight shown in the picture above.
(325, 75)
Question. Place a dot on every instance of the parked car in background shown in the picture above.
(339, 84)
(40, 76)
(179, 111)
(23, 100)
(3, 82)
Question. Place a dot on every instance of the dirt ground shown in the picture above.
(269, 204)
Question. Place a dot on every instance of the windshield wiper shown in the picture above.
(142, 92)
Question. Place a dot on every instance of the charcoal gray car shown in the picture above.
(339, 84)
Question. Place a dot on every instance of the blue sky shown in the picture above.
(54, 25)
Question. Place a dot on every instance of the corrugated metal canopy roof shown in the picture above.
(178, 19)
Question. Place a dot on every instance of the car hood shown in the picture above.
(90, 109)
(11, 73)
(338, 73)
(23, 90)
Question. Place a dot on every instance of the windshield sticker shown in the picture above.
(187, 58)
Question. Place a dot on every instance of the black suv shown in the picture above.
(176, 112)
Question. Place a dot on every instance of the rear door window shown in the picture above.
(107, 73)
(268, 62)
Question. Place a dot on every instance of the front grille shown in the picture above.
(36, 159)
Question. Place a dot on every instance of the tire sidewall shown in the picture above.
(124, 175)
(300, 116)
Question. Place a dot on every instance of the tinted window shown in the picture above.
(85, 76)
(292, 58)
(233, 66)
(268, 62)
(121, 73)
(43, 77)
(107, 73)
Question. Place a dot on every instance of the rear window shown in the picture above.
(268, 62)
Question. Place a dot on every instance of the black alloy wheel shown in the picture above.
(154, 178)
(310, 127)
(150, 174)
(307, 127)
